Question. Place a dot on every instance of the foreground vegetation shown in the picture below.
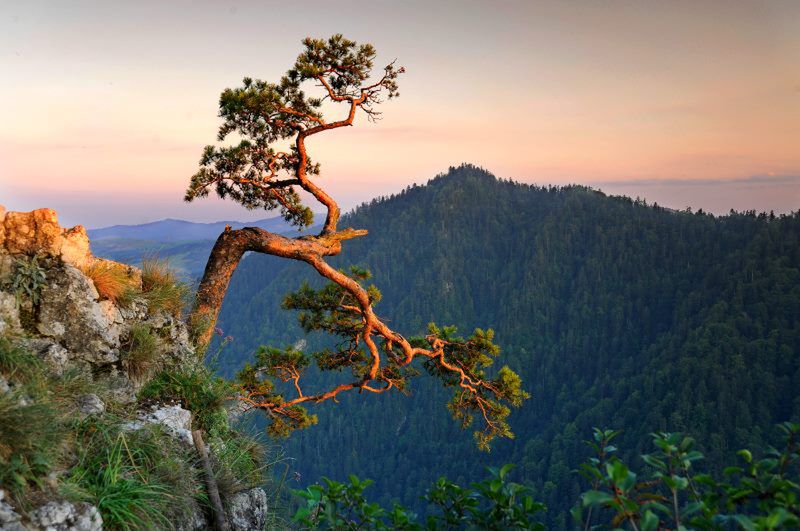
(668, 493)
(138, 479)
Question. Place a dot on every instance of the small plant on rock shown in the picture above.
(27, 280)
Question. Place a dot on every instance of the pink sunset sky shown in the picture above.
(106, 106)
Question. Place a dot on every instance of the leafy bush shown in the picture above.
(197, 390)
(761, 494)
(27, 279)
(162, 288)
(142, 350)
(112, 280)
(493, 503)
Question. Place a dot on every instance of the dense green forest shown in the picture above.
(615, 313)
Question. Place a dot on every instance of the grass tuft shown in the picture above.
(137, 480)
(162, 288)
(239, 463)
(143, 349)
(31, 428)
(112, 281)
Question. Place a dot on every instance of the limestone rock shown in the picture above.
(247, 510)
(193, 520)
(74, 248)
(175, 419)
(70, 313)
(55, 357)
(9, 314)
(66, 516)
(90, 405)
(9, 519)
(38, 232)
(32, 232)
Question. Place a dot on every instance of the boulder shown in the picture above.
(38, 232)
(74, 248)
(70, 314)
(176, 420)
(33, 232)
(193, 519)
(66, 516)
(247, 510)
(90, 404)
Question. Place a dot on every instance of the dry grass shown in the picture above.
(162, 288)
(112, 281)
(143, 350)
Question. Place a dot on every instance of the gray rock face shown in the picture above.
(247, 510)
(9, 519)
(9, 315)
(65, 516)
(91, 405)
(194, 521)
(70, 313)
(175, 419)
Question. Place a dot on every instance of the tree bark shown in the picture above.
(228, 251)
(220, 522)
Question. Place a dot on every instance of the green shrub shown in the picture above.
(493, 503)
(142, 351)
(669, 493)
(27, 279)
(197, 390)
(161, 287)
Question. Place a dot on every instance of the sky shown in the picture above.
(106, 106)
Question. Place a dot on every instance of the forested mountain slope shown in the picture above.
(615, 313)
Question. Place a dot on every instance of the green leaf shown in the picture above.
(649, 521)
(596, 497)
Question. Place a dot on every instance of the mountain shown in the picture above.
(185, 244)
(616, 313)
(176, 230)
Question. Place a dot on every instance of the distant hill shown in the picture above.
(616, 313)
(185, 244)
(175, 230)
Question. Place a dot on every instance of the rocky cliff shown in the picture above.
(97, 347)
